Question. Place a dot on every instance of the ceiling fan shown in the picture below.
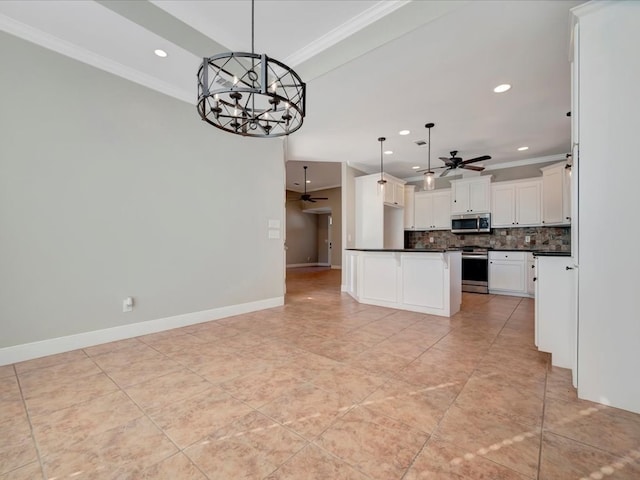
(306, 197)
(456, 162)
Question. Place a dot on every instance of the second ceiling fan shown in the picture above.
(306, 197)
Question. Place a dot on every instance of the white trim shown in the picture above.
(336, 267)
(28, 351)
(345, 30)
(590, 7)
(71, 50)
(299, 265)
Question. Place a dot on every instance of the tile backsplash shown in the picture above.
(553, 239)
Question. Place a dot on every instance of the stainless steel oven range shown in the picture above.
(475, 270)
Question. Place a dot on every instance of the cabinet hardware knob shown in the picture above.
(568, 268)
(535, 278)
(533, 266)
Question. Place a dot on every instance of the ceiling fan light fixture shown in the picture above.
(250, 94)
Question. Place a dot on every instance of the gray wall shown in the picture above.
(108, 190)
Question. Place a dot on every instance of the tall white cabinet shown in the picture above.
(606, 42)
(379, 212)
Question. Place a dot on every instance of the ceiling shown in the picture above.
(372, 68)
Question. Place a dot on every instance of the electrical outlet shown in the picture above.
(127, 304)
(431, 239)
(527, 239)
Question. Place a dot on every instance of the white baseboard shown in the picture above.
(28, 351)
(336, 267)
(313, 264)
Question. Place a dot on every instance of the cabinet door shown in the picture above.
(409, 207)
(442, 210)
(423, 209)
(552, 183)
(479, 197)
(503, 206)
(398, 194)
(460, 198)
(506, 275)
(566, 196)
(528, 204)
(388, 190)
(531, 275)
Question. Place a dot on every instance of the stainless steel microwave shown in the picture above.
(471, 223)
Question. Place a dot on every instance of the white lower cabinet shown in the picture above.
(531, 275)
(425, 282)
(508, 274)
(555, 317)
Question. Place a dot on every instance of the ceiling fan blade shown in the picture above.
(445, 173)
(320, 198)
(478, 159)
(444, 159)
(311, 200)
(472, 167)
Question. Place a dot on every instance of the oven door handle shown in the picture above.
(479, 256)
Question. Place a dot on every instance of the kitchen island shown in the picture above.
(418, 280)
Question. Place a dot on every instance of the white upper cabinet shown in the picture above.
(409, 207)
(471, 195)
(556, 195)
(433, 210)
(516, 204)
(393, 191)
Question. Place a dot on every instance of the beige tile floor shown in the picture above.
(322, 388)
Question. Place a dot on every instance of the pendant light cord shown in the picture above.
(252, 25)
(381, 176)
(429, 161)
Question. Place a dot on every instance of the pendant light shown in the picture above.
(429, 176)
(382, 182)
(250, 94)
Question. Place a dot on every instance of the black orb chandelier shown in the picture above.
(250, 94)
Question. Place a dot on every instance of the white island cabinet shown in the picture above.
(419, 281)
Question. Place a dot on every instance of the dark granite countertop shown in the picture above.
(409, 250)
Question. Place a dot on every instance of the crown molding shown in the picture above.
(591, 7)
(345, 30)
(51, 42)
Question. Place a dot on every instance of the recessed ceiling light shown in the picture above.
(522, 149)
(416, 167)
(308, 181)
(160, 53)
(404, 132)
(502, 88)
(388, 152)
